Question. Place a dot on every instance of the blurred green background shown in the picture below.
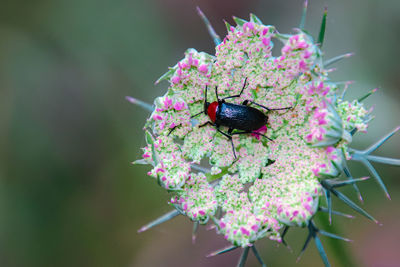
(68, 194)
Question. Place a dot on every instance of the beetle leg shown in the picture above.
(230, 138)
(244, 132)
(227, 135)
(263, 136)
(216, 92)
(253, 132)
(268, 109)
(233, 96)
(170, 131)
(204, 124)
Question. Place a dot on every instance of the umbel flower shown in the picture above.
(259, 184)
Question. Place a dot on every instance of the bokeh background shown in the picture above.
(68, 194)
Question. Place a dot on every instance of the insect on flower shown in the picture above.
(234, 116)
(263, 188)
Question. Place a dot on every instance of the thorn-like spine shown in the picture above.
(364, 156)
(140, 103)
(243, 257)
(384, 160)
(210, 28)
(166, 217)
(321, 35)
(260, 260)
(321, 250)
(350, 177)
(322, 232)
(309, 236)
(346, 86)
(222, 251)
(367, 95)
(341, 183)
(194, 232)
(254, 18)
(166, 75)
(323, 209)
(312, 233)
(228, 26)
(336, 59)
(376, 175)
(284, 232)
(211, 227)
(303, 16)
(380, 142)
(328, 187)
(329, 203)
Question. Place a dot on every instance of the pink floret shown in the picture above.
(175, 79)
(203, 68)
(179, 106)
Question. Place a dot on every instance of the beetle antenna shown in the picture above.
(205, 101)
(197, 114)
(268, 109)
(216, 93)
(170, 131)
(234, 96)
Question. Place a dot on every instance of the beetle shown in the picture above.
(240, 117)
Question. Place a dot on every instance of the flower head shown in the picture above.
(262, 182)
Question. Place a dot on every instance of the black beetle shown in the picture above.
(234, 116)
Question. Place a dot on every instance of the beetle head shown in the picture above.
(212, 110)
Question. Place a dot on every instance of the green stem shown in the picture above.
(211, 178)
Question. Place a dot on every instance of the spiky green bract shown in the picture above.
(365, 157)
(303, 15)
(243, 258)
(321, 35)
(166, 217)
(210, 29)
